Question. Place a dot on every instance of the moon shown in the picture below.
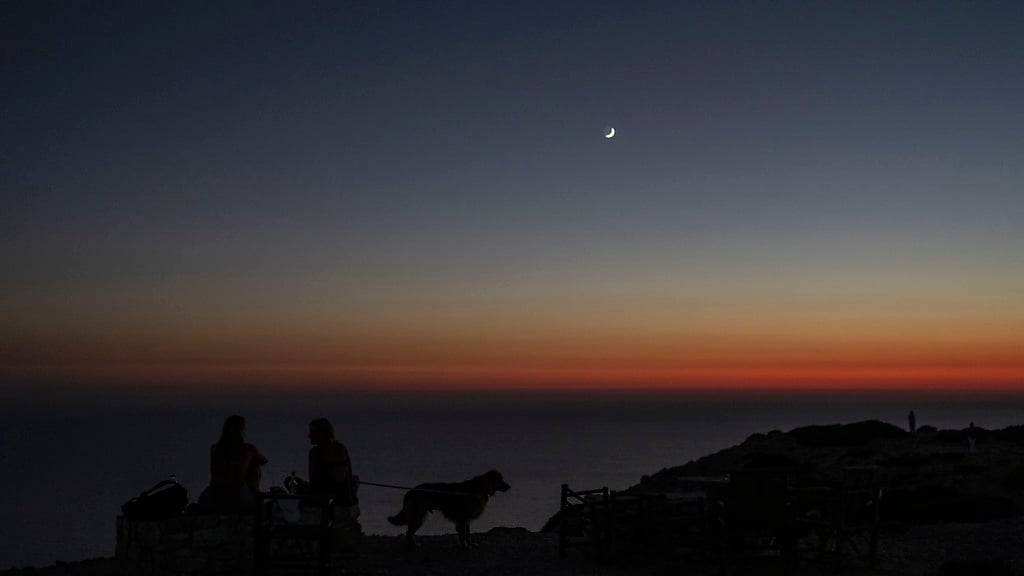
(609, 132)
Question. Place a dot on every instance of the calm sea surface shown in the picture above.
(69, 462)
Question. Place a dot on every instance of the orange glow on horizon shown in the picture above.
(729, 350)
(482, 378)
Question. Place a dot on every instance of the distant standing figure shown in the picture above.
(912, 422)
(330, 469)
(234, 471)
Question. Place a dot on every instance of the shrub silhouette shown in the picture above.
(855, 434)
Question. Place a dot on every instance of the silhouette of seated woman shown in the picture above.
(330, 470)
(234, 471)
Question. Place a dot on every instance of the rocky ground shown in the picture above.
(932, 476)
(993, 548)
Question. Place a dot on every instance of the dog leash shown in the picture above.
(386, 485)
(393, 486)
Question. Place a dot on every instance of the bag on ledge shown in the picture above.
(165, 500)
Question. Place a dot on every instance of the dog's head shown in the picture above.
(493, 482)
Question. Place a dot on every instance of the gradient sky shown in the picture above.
(418, 194)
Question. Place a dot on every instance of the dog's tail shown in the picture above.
(399, 519)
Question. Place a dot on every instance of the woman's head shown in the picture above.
(321, 431)
(233, 433)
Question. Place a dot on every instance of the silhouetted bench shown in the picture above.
(612, 523)
(759, 514)
(844, 517)
(187, 544)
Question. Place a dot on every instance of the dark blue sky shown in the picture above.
(338, 167)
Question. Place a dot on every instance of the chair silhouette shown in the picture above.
(849, 517)
(585, 520)
(291, 546)
(759, 514)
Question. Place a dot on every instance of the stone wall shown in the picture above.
(212, 545)
(193, 545)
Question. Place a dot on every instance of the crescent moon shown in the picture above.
(611, 133)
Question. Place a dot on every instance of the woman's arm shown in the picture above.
(315, 469)
(345, 464)
(259, 458)
(253, 473)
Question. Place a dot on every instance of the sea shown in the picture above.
(69, 460)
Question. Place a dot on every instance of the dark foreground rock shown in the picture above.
(505, 551)
(980, 549)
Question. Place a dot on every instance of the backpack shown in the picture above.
(165, 500)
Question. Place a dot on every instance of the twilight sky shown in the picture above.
(418, 194)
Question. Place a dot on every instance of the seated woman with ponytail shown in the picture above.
(234, 472)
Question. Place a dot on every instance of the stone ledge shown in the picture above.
(199, 545)
(203, 545)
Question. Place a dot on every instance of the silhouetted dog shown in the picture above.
(459, 502)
